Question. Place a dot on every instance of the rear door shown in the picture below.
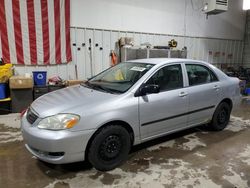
(165, 111)
(204, 93)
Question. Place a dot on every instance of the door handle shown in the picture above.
(216, 87)
(183, 94)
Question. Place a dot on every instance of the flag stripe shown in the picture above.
(39, 32)
(10, 29)
(67, 30)
(1, 54)
(18, 31)
(57, 31)
(45, 28)
(62, 31)
(25, 32)
(32, 31)
(51, 32)
(3, 33)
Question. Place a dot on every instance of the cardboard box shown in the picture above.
(21, 82)
(74, 82)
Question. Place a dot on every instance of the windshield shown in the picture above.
(120, 78)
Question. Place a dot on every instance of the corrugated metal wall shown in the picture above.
(215, 51)
(246, 53)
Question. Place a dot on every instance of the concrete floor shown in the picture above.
(192, 158)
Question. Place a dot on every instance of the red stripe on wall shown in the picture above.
(18, 31)
(32, 31)
(45, 28)
(67, 31)
(3, 33)
(57, 31)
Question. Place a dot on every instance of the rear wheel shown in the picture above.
(109, 148)
(221, 117)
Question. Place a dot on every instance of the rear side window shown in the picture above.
(199, 74)
(168, 78)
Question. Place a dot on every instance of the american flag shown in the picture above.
(35, 32)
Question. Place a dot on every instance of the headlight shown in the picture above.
(59, 122)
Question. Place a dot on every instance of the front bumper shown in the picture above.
(55, 147)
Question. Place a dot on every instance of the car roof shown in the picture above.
(163, 60)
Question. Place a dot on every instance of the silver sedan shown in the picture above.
(125, 105)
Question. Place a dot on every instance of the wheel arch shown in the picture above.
(113, 122)
(228, 101)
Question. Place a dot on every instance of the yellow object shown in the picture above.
(5, 72)
(74, 82)
(119, 75)
(5, 100)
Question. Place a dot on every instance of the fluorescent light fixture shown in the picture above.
(246, 4)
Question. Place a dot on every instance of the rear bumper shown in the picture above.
(55, 147)
(236, 102)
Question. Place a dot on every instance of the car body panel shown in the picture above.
(73, 144)
(166, 107)
(203, 100)
(167, 111)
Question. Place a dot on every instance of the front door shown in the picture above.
(165, 111)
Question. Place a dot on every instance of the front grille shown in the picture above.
(31, 116)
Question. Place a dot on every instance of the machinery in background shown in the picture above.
(129, 52)
(244, 75)
(172, 43)
(215, 6)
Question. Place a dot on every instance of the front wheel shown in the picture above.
(221, 117)
(109, 148)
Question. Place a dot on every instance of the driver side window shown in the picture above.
(168, 78)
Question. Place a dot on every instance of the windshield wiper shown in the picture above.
(99, 87)
(86, 84)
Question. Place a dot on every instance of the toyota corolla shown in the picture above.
(126, 105)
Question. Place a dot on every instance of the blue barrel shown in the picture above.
(3, 90)
(40, 78)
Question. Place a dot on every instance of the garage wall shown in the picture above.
(178, 17)
(215, 51)
(246, 53)
(217, 39)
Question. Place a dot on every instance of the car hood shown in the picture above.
(69, 98)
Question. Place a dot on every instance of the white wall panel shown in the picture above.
(198, 48)
(72, 65)
(143, 38)
(130, 34)
(97, 53)
(176, 17)
(79, 67)
(137, 38)
(106, 48)
(89, 65)
(151, 38)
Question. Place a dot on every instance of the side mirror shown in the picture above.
(147, 89)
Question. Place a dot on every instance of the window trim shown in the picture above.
(202, 65)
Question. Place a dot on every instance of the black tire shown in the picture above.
(109, 148)
(221, 117)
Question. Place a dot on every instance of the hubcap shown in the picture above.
(110, 148)
(222, 117)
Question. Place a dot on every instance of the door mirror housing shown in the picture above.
(147, 89)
